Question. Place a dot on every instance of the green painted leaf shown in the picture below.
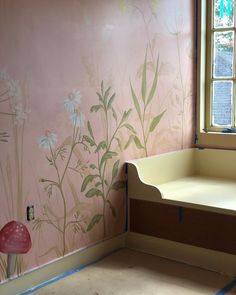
(135, 100)
(125, 115)
(115, 169)
(111, 101)
(118, 185)
(89, 140)
(138, 143)
(108, 155)
(92, 166)
(154, 84)
(106, 96)
(96, 108)
(102, 87)
(101, 145)
(113, 210)
(49, 160)
(114, 114)
(144, 79)
(131, 138)
(4, 138)
(96, 219)
(94, 192)
(155, 121)
(119, 143)
(98, 184)
(86, 181)
(90, 130)
(131, 128)
(100, 97)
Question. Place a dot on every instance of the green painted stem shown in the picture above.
(5, 99)
(63, 200)
(8, 114)
(75, 133)
(102, 173)
(104, 219)
(143, 132)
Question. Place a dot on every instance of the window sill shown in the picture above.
(216, 140)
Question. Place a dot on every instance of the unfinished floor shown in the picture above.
(128, 272)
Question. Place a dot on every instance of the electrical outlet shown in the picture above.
(30, 212)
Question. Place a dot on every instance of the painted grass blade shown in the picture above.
(138, 143)
(144, 79)
(113, 210)
(96, 218)
(154, 84)
(135, 100)
(94, 192)
(108, 155)
(111, 101)
(115, 169)
(88, 178)
(106, 96)
(155, 121)
(90, 130)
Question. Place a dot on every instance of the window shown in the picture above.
(216, 73)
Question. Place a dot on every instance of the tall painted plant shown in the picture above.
(13, 109)
(61, 159)
(101, 182)
(142, 104)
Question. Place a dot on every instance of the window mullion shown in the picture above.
(209, 65)
(234, 72)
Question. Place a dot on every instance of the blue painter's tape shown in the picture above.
(63, 275)
(227, 288)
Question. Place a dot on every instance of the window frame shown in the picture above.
(205, 136)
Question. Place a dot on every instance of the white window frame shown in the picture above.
(205, 137)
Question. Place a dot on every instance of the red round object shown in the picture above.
(14, 238)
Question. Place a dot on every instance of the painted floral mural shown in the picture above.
(104, 176)
(84, 87)
(60, 158)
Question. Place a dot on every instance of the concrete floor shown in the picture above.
(128, 272)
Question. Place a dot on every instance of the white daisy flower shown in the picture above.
(14, 88)
(77, 119)
(20, 115)
(73, 101)
(48, 140)
(3, 75)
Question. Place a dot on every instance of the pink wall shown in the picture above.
(54, 56)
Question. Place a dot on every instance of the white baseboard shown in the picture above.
(75, 260)
(208, 259)
(200, 257)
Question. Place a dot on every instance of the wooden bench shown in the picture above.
(182, 205)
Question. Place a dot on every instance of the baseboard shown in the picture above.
(75, 260)
(200, 257)
(208, 259)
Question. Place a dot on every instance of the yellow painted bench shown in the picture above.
(202, 179)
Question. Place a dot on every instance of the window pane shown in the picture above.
(223, 13)
(222, 103)
(223, 54)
